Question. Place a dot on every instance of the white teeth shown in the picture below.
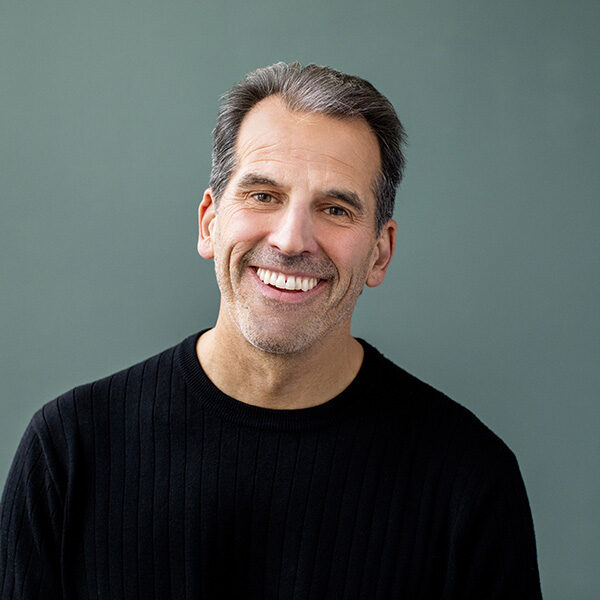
(286, 282)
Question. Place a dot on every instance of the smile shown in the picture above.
(286, 282)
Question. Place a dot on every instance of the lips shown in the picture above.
(283, 296)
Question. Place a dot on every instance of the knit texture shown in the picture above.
(152, 484)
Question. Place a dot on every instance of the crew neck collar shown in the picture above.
(338, 408)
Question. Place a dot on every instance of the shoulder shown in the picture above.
(81, 425)
(85, 394)
(439, 424)
(89, 408)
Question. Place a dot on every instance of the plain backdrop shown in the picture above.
(106, 112)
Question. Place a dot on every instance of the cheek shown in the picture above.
(238, 233)
(244, 226)
(345, 252)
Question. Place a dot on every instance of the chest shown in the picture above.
(222, 511)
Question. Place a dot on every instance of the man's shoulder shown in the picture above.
(432, 415)
(83, 402)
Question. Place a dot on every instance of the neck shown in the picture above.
(278, 381)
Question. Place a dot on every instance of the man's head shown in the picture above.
(313, 89)
(299, 228)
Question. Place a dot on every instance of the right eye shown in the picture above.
(262, 197)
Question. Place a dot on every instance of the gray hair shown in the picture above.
(320, 90)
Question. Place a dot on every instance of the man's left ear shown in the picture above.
(382, 254)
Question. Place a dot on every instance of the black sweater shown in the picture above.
(153, 484)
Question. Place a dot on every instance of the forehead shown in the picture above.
(307, 147)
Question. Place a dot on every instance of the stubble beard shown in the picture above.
(291, 335)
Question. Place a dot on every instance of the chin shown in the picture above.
(288, 342)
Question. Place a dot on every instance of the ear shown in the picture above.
(383, 252)
(206, 222)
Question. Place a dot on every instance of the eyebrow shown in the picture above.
(350, 198)
(250, 179)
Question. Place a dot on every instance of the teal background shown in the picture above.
(105, 136)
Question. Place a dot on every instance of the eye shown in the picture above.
(263, 197)
(336, 211)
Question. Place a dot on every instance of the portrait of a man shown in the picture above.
(274, 454)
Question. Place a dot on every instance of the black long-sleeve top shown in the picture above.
(153, 484)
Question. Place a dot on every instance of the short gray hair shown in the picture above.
(320, 90)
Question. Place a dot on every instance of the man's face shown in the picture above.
(298, 212)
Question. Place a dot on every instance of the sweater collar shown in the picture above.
(338, 408)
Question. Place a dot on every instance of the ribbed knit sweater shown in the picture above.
(152, 484)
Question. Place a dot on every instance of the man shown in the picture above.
(274, 455)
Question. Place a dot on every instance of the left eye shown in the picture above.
(336, 211)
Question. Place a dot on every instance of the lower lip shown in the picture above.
(288, 296)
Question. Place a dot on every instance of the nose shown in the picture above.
(293, 230)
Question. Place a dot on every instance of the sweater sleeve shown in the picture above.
(493, 550)
(30, 524)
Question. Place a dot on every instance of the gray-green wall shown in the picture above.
(106, 111)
